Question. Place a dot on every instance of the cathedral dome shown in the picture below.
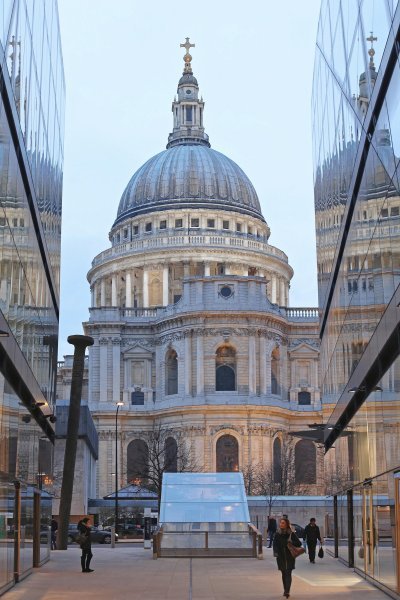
(189, 176)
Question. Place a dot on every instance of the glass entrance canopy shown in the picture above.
(203, 498)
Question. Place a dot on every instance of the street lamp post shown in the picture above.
(119, 404)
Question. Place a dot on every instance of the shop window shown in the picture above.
(171, 373)
(137, 461)
(227, 453)
(305, 458)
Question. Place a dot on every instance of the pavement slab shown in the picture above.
(129, 572)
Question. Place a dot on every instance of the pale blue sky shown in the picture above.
(254, 63)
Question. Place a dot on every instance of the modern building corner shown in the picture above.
(32, 96)
(356, 116)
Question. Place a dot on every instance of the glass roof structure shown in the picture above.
(203, 498)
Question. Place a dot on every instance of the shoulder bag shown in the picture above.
(295, 551)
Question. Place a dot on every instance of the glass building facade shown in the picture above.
(32, 95)
(356, 138)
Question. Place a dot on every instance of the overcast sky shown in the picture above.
(254, 63)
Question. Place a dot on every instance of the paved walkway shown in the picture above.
(128, 572)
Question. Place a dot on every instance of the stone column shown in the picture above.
(102, 292)
(186, 269)
(93, 295)
(268, 367)
(252, 365)
(200, 366)
(188, 365)
(128, 289)
(263, 366)
(273, 290)
(145, 288)
(116, 370)
(227, 269)
(114, 301)
(103, 369)
(207, 269)
(165, 286)
(282, 292)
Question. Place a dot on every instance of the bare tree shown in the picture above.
(251, 478)
(165, 450)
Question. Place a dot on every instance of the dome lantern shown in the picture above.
(188, 110)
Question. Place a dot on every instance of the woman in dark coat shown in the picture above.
(285, 561)
(86, 545)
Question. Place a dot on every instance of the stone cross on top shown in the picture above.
(187, 58)
(371, 51)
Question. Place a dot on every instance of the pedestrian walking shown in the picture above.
(284, 558)
(311, 536)
(271, 529)
(54, 529)
(85, 543)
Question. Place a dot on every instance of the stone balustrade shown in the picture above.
(203, 238)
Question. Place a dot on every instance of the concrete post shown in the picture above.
(80, 342)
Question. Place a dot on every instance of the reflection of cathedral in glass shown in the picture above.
(190, 314)
(357, 210)
(31, 157)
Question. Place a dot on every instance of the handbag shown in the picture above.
(321, 552)
(295, 551)
(81, 538)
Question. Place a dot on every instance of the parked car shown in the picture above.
(100, 536)
(299, 530)
(129, 531)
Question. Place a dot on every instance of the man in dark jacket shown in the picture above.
(271, 529)
(86, 545)
(311, 536)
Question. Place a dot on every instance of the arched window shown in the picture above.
(137, 461)
(170, 455)
(277, 460)
(225, 369)
(155, 292)
(304, 398)
(305, 458)
(275, 372)
(171, 373)
(227, 454)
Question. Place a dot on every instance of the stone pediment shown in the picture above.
(137, 349)
(303, 349)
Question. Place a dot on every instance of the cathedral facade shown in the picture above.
(191, 321)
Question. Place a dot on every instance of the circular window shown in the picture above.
(188, 91)
(226, 291)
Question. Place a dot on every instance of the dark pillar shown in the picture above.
(350, 526)
(335, 527)
(80, 342)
